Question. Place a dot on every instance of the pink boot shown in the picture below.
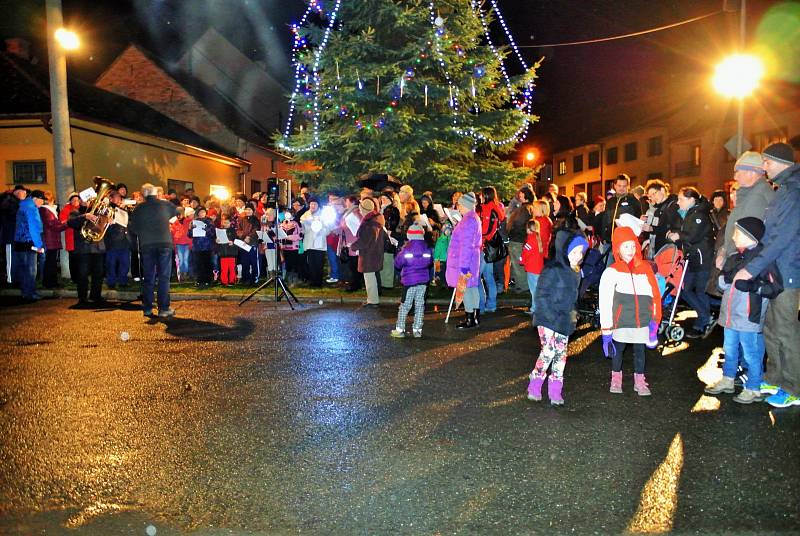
(535, 388)
(640, 385)
(616, 382)
(554, 392)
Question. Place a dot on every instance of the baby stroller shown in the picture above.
(588, 305)
(670, 268)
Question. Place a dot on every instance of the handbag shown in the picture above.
(495, 249)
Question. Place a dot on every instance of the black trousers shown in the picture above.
(315, 261)
(90, 265)
(73, 267)
(202, 260)
(354, 278)
(50, 276)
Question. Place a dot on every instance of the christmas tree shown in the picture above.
(414, 89)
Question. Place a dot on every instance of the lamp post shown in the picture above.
(58, 41)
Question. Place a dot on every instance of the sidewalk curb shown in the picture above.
(115, 295)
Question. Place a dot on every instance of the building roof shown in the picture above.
(25, 91)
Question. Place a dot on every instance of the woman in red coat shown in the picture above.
(73, 203)
(52, 244)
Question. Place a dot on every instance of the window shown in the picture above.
(612, 155)
(762, 139)
(657, 175)
(179, 186)
(255, 186)
(562, 167)
(630, 151)
(595, 189)
(577, 163)
(30, 172)
(594, 160)
(655, 146)
(696, 155)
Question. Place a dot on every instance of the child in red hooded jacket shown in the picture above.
(630, 308)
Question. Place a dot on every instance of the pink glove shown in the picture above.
(653, 335)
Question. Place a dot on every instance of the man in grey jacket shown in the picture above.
(781, 246)
(752, 198)
(150, 223)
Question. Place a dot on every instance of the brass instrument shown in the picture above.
(95, 231)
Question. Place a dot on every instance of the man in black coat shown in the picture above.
(662, 216)
(90, 259)
(150, 223)
(623, 202)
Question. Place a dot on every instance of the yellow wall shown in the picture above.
(120, 155)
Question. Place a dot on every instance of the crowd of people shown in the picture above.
(742, 252)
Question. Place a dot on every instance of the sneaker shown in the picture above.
(769, 389)
(417, 333)
(724, 385)
(399, 333)
(782, 399)
(748, 396)
(148, 313)
(166, 313)
(331, 280)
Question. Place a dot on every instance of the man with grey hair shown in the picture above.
(150, 223)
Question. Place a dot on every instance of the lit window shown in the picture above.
(30, 172)
(562, 167)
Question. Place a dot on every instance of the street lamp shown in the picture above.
(67, 39)
(737, 76)
(530, 158)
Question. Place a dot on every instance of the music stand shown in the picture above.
(275, 280)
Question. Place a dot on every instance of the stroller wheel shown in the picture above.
(676, 333)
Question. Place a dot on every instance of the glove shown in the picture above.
(746, 285)
(609, 350)
(465, 271)
(653, 342)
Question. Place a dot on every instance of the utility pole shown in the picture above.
(742, 44)
(59, 107)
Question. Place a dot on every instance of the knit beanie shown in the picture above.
(749, 161)
(578, 241)
(752, 227)
(780, 152)
(366, 206)
(467, 201)
(415, 232)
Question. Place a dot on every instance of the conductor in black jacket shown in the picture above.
(150, 223)
(623, 202)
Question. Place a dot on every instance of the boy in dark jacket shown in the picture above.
(742, 312)
(414, 262)
(555, 317)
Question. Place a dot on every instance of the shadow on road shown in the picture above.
(199, 330)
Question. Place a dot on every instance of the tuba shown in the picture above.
(95, 231)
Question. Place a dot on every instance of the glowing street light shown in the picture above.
(738, 75)
(67, 39)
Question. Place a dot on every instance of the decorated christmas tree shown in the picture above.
(414, 89)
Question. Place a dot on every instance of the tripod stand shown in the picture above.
(276, 280)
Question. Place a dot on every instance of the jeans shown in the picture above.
(694, 293)
(748, 345)
(533, 280)
(156, 263)
(638, 357)
(471, 299)
(183, 251)
(118, 262)
(333, 263)
(488, 296)
(25, 270)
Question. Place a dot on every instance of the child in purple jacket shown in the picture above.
(414, 262)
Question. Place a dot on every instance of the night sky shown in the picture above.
(586, 90)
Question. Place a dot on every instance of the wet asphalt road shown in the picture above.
(256, 420)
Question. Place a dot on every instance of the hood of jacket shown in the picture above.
(789, 177)
(625, 234)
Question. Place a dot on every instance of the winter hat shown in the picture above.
(71, 195)
(37, 194)
(749, 161)
(752, 227)
(577, 241)
(780, 152)
(415, 232)
(287, 216)
(467, 201)
(366, 206)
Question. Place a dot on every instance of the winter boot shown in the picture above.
(469, 321)
(640, 385)
(535, 388)
(554, 392)
(616, 382)
(477, 317)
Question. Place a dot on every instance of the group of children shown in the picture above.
(629, 304)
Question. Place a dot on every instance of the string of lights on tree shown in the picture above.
(309, 81)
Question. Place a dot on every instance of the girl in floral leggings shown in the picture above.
(555, 315)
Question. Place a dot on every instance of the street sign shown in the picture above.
(731, 144)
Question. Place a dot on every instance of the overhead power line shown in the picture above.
(625, 36)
